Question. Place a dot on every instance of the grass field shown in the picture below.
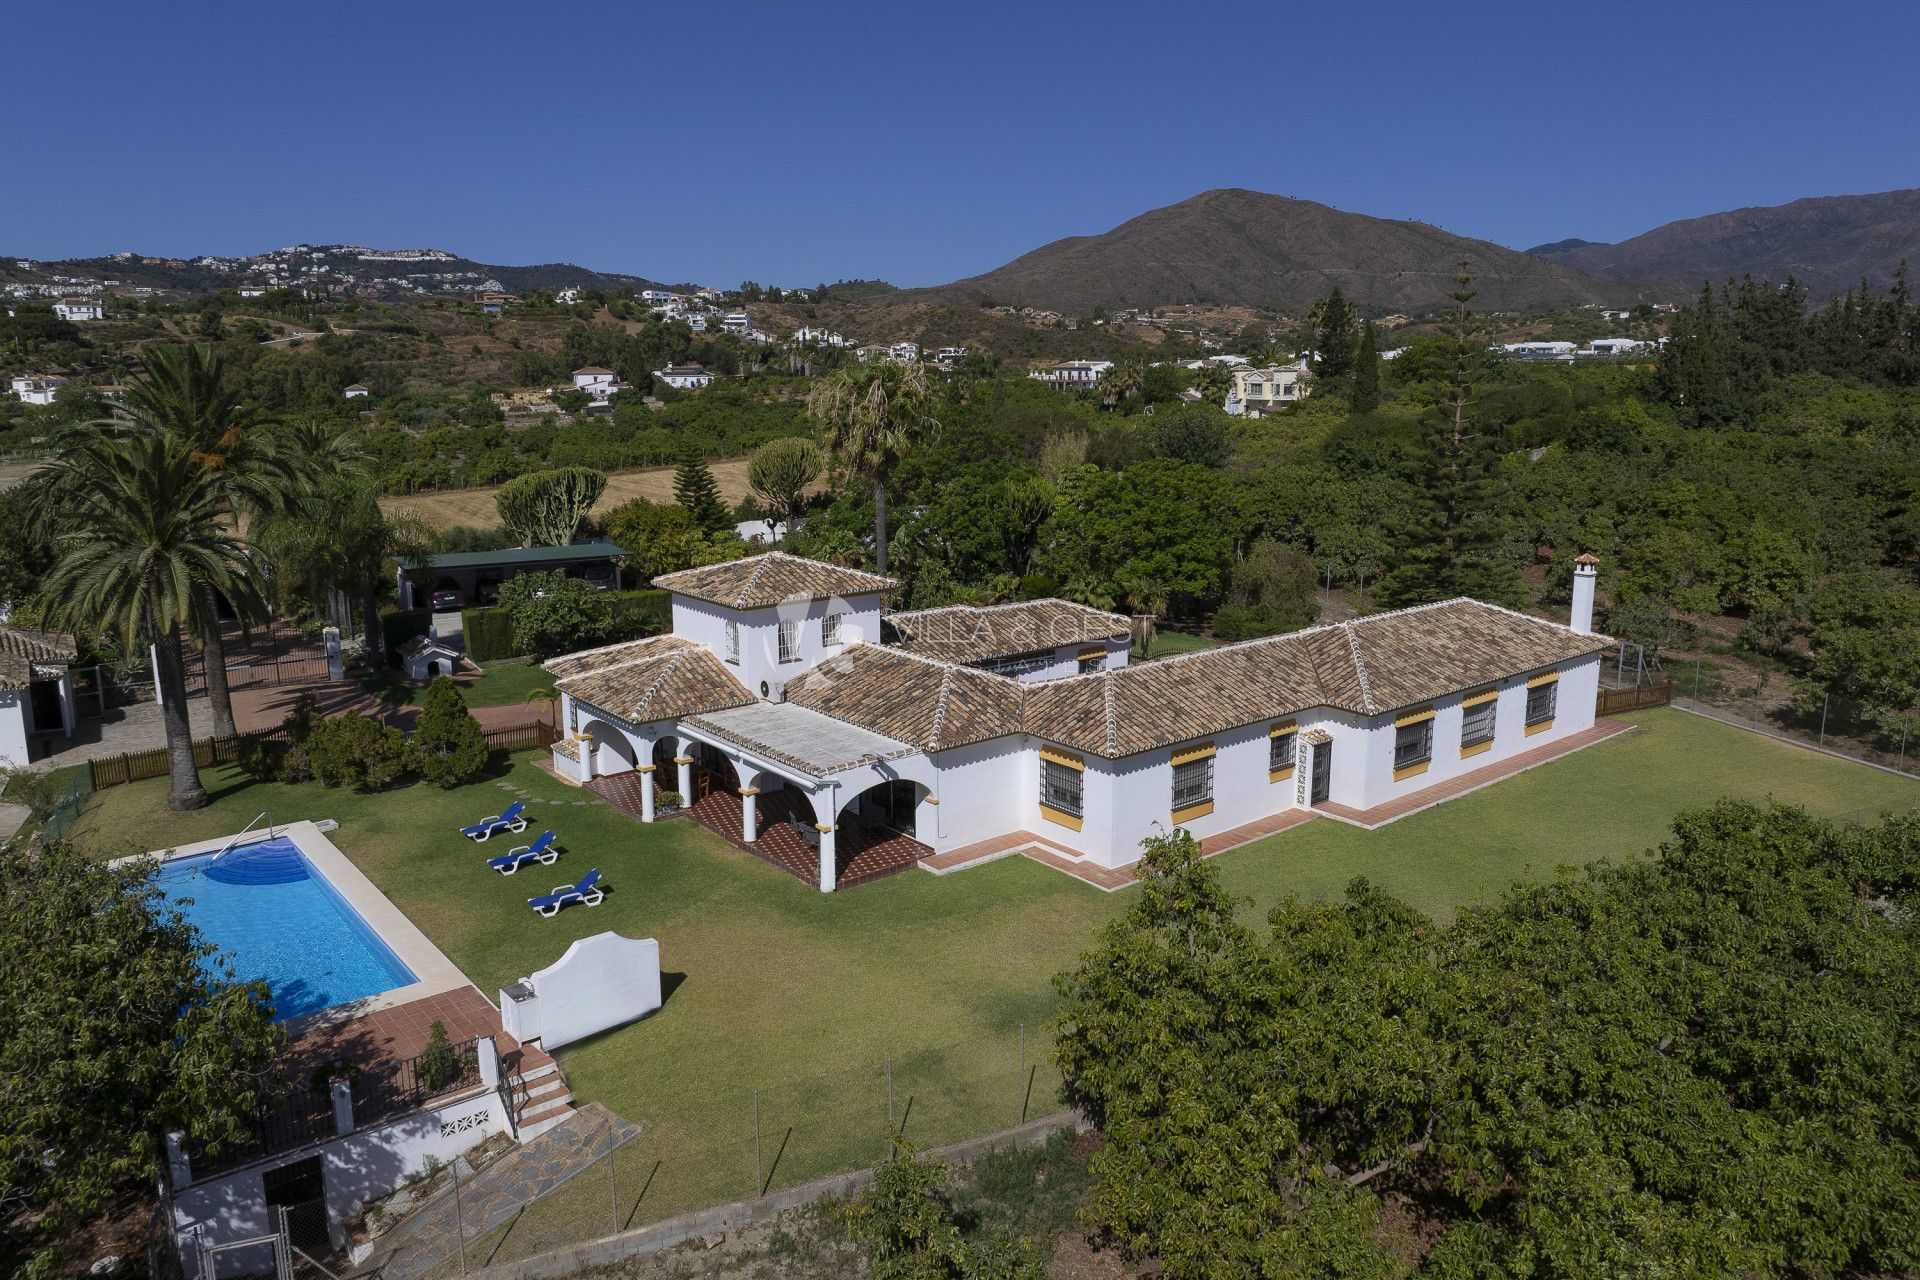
(474, 508)
(507, 682)
(1168, 643)
(803, 998)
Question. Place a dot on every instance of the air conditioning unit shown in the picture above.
(773, 690)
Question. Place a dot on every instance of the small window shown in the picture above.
(1193, 783)
(1413, 745)
(1060, 787)
(733, 642)
(1542, 701)
(1091, 662)
(790, 640)
(1280, 748)
(830, 629)
(1476, 723)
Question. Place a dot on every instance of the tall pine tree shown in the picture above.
(1366, 372)
(695, 489)
(1333, 335)
(1449, 541)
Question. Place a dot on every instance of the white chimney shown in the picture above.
(1583, 581)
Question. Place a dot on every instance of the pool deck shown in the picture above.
(434, 974)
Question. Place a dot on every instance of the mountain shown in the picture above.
(344, 268)
(1271, 252)
(1827, 243)
(1560, 246)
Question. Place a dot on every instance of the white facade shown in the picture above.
(78, 309)
(809, 336)
(684, 377)
(1265, 389)
(37, 390)
(1072, 373)
(750, 641)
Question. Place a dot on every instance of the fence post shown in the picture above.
(1823, 718)
(1696, 677)
(757, 1170)
(613, 1192)
(1023, 1055)
(459, 1214)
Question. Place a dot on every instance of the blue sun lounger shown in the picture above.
(587, 891)
(507, 820)
(540, 851)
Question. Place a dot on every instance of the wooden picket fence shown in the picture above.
(1614, 702)
(111, 771)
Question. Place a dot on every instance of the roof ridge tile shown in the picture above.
(939, 721)
(1359, 667)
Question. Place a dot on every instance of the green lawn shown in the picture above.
(1168, 643)
(507, 682)
(804, 997)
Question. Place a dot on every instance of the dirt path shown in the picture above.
(474, 508)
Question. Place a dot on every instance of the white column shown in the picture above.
(153, 661)
(342, 1107)
(828, 865)
(749, 832)
(685, 763)
(646, 791)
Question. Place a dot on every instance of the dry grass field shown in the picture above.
(474, 508)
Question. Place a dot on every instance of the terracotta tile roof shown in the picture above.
(765, 580)
(21, 651)
(651, 680)
(964, 633)
(932, 705)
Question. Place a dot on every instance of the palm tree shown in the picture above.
(142, 550)
(343, 539)
(870, 415)
(1122, 381)
(258, 473)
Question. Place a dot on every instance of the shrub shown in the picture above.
(553, 613)
(438, 1067)
(641, 613)
(403, 625)
(357, 751)
(267, 760)
(666, 799)
(451, 746)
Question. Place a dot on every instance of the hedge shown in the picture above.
(489, 633)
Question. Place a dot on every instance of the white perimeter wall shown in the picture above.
(367, 1165)
(14, 711)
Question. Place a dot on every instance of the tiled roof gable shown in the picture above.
(761, 581)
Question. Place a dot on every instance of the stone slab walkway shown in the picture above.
(433, 1233)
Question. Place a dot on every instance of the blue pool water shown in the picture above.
(279, 920)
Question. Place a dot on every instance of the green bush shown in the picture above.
(489, 634)
(269, 760)
(357, 751)
(451, 747)
(553, 613)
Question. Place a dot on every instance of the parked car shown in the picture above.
(446, 596)
(599, 576)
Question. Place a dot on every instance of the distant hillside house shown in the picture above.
(1069, 374)
(78, 309)
(904, 352)
(37, 389)
(494, 303)
(950, 355)
(684, 377)
(357, 392)
(568, 296)
(735, 322)
(1261, 391)
(253, 291)
(1615, 346)
(597, 382)
(654, 297)
(1540, 350)
(808, 336)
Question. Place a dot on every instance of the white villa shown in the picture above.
(809, 726)
(597, 382)
(1072, 373)
(684, 377)
(79, 309)
(1260, 391)
(809, 336)
(37, 389)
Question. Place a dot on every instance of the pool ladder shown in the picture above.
(228, 846)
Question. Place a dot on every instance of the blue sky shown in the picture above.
(795, 142)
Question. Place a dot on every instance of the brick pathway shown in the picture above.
(432, 1234)
(1427, 797)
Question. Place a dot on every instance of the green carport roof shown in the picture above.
(520, 557)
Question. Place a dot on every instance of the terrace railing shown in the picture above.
(394, 1089)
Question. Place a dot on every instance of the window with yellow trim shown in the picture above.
(1543, 700)
(1061, 787)
(1193, 783)
(1476, 722)
(1412, 745)
(1280, 751)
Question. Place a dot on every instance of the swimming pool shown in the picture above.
(276, 918)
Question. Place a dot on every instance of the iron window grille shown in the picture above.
(1413, 744)
(1542, 701)
(789, 641)
(1060, 788)
(1476, 724)
(1193, 783)
(1280, 751)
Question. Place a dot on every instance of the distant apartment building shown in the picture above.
(735, 322)
(1255, 392)
(1069, 374)
(654, 297)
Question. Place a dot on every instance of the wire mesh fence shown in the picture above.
(1767, 702)
(748, 1135)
